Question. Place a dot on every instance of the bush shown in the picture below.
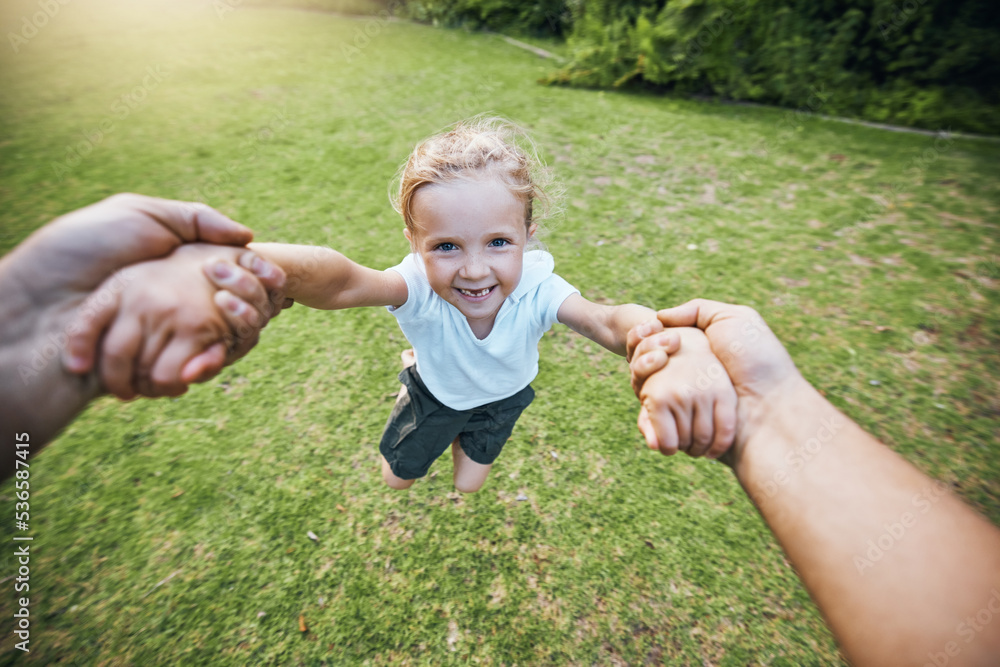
(925, 63)
(545, 17)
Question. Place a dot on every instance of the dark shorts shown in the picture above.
(420, 428)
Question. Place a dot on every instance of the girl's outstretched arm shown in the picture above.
(323, 278)
(607, 326)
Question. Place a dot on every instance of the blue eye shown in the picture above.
(499, 243)
(445, 247)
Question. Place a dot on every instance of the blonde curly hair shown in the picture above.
(475, 148)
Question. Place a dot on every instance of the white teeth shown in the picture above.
(482, 292)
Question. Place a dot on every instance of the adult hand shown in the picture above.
(146, 228)
(833, 496)
(76, 252)
(756, 361)
(45, 279)
(162, 324)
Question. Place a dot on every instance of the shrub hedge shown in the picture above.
(924, 63)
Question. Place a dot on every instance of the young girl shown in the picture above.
(473, 300)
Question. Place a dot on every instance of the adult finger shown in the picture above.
(84, 333)
(118, 356)
(702, 428)
(244, 323)
(205, 365)
(241, 346)
(271, 276)
(191, 221)
(152, 347)
(695, 313)
(166, 375)
(242, 284)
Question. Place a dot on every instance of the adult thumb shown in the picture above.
(695, 313)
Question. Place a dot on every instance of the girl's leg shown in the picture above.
(469, 476)
(387, 474)
(390, 477)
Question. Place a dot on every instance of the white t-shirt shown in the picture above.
(461, 370)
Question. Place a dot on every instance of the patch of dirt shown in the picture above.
(708, 195)
(858, 260)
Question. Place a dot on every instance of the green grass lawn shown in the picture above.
(174, 531)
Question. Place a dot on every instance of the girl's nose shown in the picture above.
(475, 268)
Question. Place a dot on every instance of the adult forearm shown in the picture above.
(875, 541)
(47, 277)
(37, 396)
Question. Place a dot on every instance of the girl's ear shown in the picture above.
(409, 237)
(531, 229)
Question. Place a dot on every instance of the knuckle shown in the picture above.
(251, 318)
(656, 402)
(676, 397)
(642, 347)
(716, 452)
(158, 379)
(718, 449)
(244, 331)
(244, 284)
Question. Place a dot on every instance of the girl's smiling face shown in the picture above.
(471, 235)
